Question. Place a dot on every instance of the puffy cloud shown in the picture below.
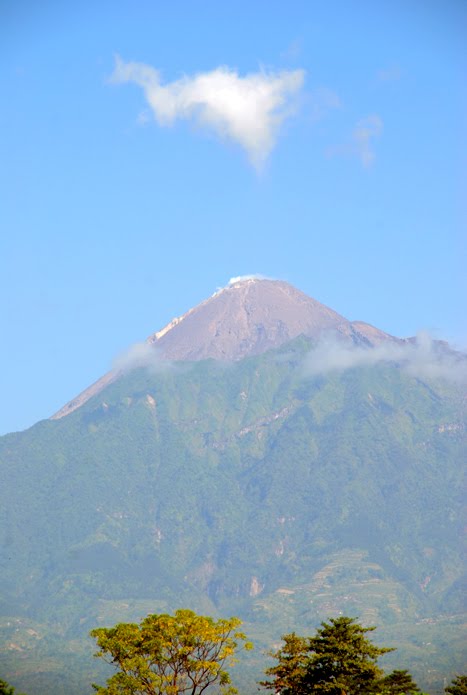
(248, 110)
(423, 358)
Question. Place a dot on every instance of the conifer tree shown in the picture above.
(458, 686)
(291, 666)
(339, 660)
(343, 661)
(399, 683)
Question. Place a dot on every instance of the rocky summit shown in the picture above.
(251, 316)
(247, 317)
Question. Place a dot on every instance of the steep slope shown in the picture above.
(246, 488)
(248, 317)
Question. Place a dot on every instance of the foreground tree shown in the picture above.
(342, 659)
(458, 686)
(6, 689)
(169, 655)
(339, 660)
(398, 683)
(291, 667)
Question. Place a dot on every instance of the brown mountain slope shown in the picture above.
(248, 317)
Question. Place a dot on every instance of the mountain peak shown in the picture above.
(250, 315)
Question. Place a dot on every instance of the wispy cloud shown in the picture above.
(248, 110)
(242, 278)
(391, 74)
(321, 101)
(423, 358)
(363, 135)
(293, 50)
(140, 355)
(361, 143)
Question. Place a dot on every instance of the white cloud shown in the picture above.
(243, 278)
(248, 110)
(423, 358)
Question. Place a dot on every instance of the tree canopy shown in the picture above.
(289, 673)
(458, 686)
(6, 689)
(169, 655)
(399, 683)
(338, 660)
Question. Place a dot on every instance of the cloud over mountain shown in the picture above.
(140, 355)
(248, 110)
(423, 358)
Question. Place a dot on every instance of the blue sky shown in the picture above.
(318, 142)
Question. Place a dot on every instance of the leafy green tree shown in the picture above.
(6, 689)
(398, 683)
(169, 655)
(339, 660)
(291, 667)
(458, 686)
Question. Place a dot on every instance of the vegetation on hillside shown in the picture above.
(253, 489)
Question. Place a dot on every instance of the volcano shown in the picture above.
(235, 480)
(248, 317)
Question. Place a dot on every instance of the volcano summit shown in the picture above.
(248, 317)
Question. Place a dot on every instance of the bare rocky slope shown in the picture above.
(248, 317)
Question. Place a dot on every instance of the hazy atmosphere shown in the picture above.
(152, 151)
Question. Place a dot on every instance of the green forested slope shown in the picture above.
(246, 489)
